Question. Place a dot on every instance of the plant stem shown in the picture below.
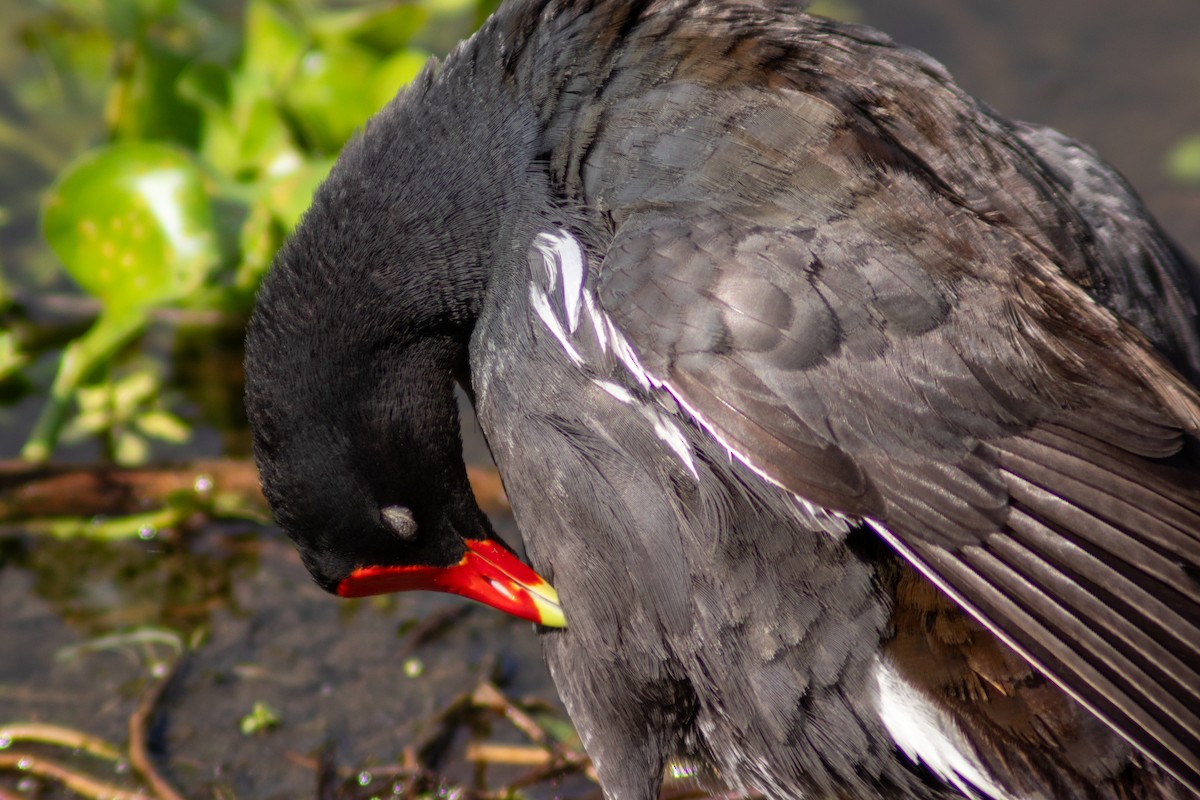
(112, 331)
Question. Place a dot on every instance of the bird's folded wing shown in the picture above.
(905, 361)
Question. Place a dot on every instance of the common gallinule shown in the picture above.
(840, 411)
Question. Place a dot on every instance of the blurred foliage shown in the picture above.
(262, 718)
(98, 586)
(164, 148)
(1183, 161)
(845, 10)
(126, 412)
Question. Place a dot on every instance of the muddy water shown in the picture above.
(1124, 77)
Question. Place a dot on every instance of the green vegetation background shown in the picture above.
(153, 155)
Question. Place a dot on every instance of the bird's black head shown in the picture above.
(358, 335)
(356, 454)
(360, 457)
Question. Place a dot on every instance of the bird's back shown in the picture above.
(745, 185)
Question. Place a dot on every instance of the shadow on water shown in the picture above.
(1124, 77)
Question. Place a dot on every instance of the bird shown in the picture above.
(850, 428)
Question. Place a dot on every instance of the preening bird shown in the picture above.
(855, 426)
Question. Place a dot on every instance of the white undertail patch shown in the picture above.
(902, 547)
(928, 736)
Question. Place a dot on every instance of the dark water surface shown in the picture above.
(1122, 76)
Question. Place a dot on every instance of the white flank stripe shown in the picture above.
(573, 271)
(545, 244)
(542, 306)
(561, 253)
(617, 391)
(720, 439)
(928, 736)
(674, 439)
(832, 522)
(599, 321)
(625, 353)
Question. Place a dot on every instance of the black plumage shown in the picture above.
(820, 392)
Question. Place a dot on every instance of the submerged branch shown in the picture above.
(69, 738)
(139, 723)
(67, 499)
(75, 781)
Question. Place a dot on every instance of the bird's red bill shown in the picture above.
(487, 573)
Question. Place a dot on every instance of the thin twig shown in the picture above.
(139, 722)
(34, 491)
(301, 760)
(562, 764)
(84, 308)
(487, 695)
(45, 768)
(521, 755)
(58, 735)
(408, 759)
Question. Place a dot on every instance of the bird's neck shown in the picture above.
(425, 202)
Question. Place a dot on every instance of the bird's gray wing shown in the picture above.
(1140, 273)
(894, 304)
(897, 357)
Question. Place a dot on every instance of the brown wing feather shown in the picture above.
(876, 323)
(993, 418)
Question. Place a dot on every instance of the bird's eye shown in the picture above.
(400, 520)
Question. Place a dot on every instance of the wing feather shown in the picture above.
(888, 331)
(1021, 460)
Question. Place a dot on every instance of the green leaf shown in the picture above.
(147, 104)
(134, 526)
(258, 244)
(449, 7)
(133, 391)
(112, 331)
(261, 719)
(1183, 160)
(132, 224)
(274, 45)
(267, 149)
(163, 425)
(275, 211)
(386, 29)
(331, 94)
(205, 85)
(130, 450)
(844, 10)
(11, 357)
